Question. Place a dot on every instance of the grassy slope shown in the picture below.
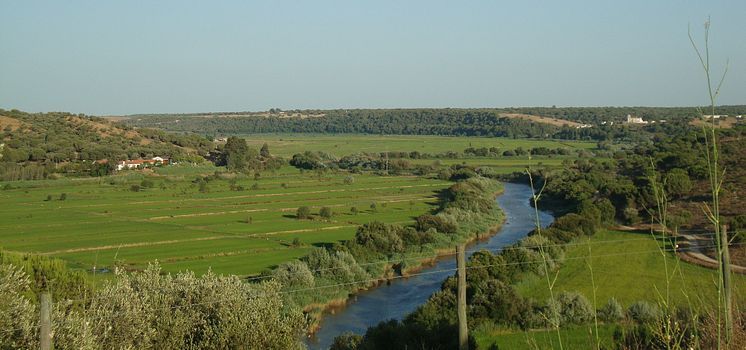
(629, 271)
(185, 229)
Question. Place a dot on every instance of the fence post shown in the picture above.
(45, 322)
(463, 331)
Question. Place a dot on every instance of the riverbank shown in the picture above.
(402, 296)
(478, 228)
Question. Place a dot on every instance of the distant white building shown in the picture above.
(635, 120)
(715, 116)
(583, 126)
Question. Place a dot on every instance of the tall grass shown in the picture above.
(715, 175)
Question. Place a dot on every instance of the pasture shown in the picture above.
(629, 267)
(340, 145)
(103, 221)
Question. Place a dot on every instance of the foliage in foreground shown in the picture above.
(148, 310)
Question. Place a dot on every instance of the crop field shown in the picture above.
(628, 266)
(340, 145)
(102, 221)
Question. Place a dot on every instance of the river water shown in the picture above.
(404, 295)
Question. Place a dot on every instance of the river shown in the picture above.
(404, 295)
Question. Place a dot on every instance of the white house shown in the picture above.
(715, 116)
(635, 120)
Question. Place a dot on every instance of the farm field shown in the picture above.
(629, 267)
(340, 145)
(102, 220)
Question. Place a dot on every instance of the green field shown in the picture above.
(102, 220)
(629, 267)
(341, 145)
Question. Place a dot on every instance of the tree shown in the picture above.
(303, 212)
(678, 183)
(264, 152)
(237, 154)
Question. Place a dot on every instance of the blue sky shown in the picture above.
(123, 57)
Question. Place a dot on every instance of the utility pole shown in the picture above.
(463, 331)
(45, 322)
(725, 261)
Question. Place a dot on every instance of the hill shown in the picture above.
(60, 139)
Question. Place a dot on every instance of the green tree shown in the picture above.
(264, 152)
(678, 183)
(303, 212)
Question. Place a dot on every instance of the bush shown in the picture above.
(146, 183)
(63, 196)
(135, 188)
(349, 180)
(354, 210)
(303, 212)
(347, 341)
(611, 312)
(643, 312)
(326, 212)
(293, 275)
(574, 308)
(427, 221)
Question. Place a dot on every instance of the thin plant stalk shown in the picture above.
(715, 175)
(550, 283)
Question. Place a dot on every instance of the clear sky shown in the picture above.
(123, 57)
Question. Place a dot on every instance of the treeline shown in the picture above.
(596, 115)
(62, 142)
(458, 122)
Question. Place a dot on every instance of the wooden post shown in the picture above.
(725, 260)
(45, 322)
(463, 331)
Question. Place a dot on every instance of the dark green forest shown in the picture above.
(448, 121)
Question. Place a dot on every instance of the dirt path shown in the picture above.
(691, 248)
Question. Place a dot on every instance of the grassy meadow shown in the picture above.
(629, 267)
(340, 145)
(102, 221)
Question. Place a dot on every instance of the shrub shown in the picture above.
(574, 308)
(303, 212)
(349, 180)
(63, 196)
(293, 275)
(354, 210)
(347, 341)
(146, 183)
(326, 212)
(255, 186)
(135, 188)
(643, 312)
(612, 311)
(427, 221)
